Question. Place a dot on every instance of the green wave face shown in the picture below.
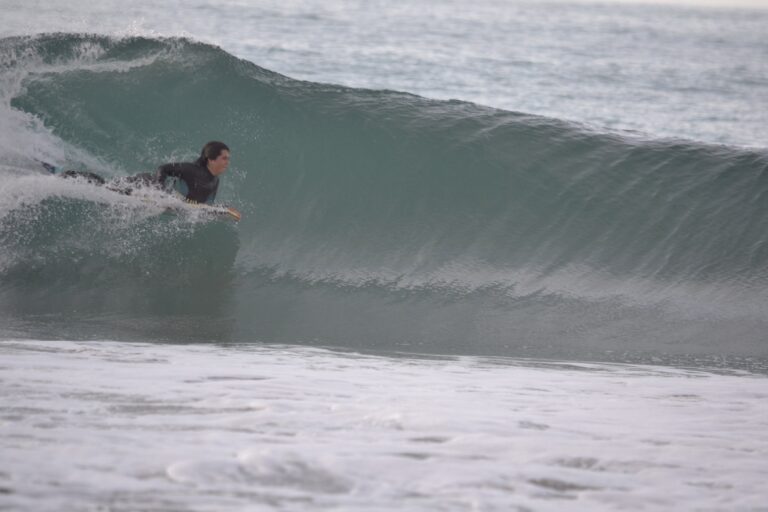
(372, 219)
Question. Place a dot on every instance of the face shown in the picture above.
(219, 165)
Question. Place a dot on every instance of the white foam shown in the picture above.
(24, 138)
(25, 192)
(107, 424)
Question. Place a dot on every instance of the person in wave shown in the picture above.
(197, 181)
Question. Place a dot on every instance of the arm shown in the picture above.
(192, 181)
(176, 170)
(182, 178)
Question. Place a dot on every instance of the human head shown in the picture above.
(215, 157)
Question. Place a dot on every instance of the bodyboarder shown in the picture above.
(196, 181)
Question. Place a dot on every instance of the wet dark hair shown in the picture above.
(211, 151)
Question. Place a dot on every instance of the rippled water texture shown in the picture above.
(199, 428)
(681, 71)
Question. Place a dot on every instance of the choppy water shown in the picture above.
(197, 428)
(600, 203)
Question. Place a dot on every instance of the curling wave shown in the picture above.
(373, 219)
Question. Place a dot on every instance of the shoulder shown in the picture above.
(181, 167)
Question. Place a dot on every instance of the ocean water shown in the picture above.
(493, 256)
(137, 426)
(663, 70)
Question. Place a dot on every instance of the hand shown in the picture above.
(234, 213)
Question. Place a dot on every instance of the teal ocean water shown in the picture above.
(475, 237)
(670, 70)
(374, 219)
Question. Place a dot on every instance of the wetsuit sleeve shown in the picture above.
(181, 176)
(190, 180)
(164, 171)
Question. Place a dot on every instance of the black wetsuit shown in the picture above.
(195, 182)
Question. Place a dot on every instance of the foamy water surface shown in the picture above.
(136, 426)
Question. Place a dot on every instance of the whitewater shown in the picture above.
(498, 256)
